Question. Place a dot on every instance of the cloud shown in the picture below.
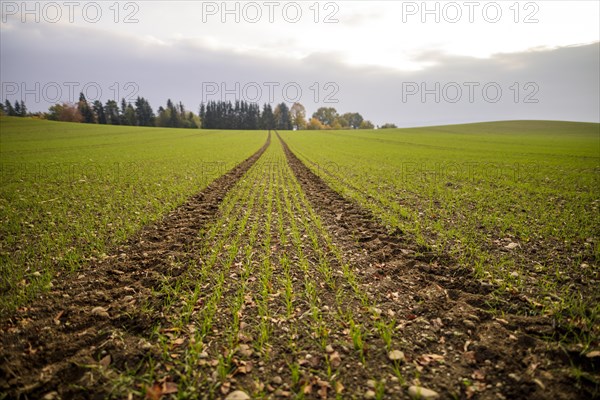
(560, 83)
(357, 18)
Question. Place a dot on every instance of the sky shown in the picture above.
(411, 63)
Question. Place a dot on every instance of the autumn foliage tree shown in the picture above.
(315, 124)
(65, 112)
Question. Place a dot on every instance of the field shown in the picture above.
(69, 192)
(162, 263)
(516, 203)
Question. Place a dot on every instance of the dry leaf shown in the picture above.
(105, 361)
(100, 311)
(335, 359)
(225, 387)
(466, 346)
(57, 318)
(470, 357)
(245, 350)
(478, 375)
(396, 355)
(307, 389)
(156, 391)
(169, 387)
(244, 338)
(435, 357)
(244, 367)
(323, 387)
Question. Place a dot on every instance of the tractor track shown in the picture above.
(47, 345)
(498, 356)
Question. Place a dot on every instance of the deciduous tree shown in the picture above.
(298, 116)
(314, 124)
(366, 125)
(326, 115)
(354, 119)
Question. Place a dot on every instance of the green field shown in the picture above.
(469, 191)
(67, 191)
(268, 270)
(459, 258)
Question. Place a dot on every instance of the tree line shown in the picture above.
(240, 115)
(244, 115)
(17, 110)
(140, 113)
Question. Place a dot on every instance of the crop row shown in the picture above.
(270, 303)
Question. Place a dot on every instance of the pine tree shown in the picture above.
(10, 111)
(129, 115)
(111, 111)
(144, 114)
(122, 117)
(282, 116)
(267, 120)
(23, 109)
(99, 111)
(202, 114)
(85, 110)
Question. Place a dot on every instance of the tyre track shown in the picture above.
(54, 345)
(440, 310)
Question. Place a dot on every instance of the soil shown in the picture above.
(105, 314)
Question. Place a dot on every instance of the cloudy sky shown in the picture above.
(410, 63)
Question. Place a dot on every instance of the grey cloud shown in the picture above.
(566, 79)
